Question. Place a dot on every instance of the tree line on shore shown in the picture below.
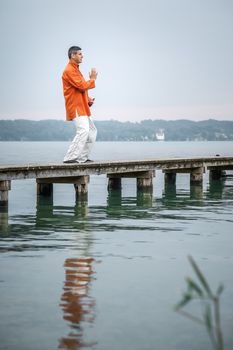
(112, 130)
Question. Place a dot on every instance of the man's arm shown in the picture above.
(75, 79)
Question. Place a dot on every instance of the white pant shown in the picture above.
(83, 141)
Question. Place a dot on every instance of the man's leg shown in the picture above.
(76, 150)
(91, 138)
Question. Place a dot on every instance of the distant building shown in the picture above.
(160, 136)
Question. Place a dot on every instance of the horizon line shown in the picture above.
(120, 121)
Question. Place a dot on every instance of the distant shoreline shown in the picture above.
(112, 130)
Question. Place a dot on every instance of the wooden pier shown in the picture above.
(79, 174)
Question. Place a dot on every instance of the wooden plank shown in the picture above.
(222, 167)
(5, 186)
(135, 174)
(96, 168)
(64, 180)
(181, 170)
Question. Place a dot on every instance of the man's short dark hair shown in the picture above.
(72, 50)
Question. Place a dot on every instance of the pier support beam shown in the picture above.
(81, 188)
(114, 183)
(169, 178)
(144, 179)
(44, 189)
(196, 176)
(145, 183)
(5, 186)
(45, 185)
(216, 174)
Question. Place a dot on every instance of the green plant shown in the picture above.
(210, 303)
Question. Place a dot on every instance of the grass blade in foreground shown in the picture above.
(211, 305)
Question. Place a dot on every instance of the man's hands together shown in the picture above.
(93, 74)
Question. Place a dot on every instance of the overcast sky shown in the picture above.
(158, 59)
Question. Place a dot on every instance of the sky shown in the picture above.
(156, 59)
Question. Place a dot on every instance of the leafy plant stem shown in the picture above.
(218, 323)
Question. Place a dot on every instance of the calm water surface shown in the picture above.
(105, 274)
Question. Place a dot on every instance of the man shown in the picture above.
(78, 104)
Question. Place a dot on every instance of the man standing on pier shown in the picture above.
(78, 104)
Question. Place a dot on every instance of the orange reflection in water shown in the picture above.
(76, 303)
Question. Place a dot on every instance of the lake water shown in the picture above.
(106, 274)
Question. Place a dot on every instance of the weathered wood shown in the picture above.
(216, 174)
(81, 191)
(145, 183)
(114, 183)
(65, 180)
(196, 176)
(170, 178)
(5, 186)
(134, 174)
(81, 188)
(47, 174)
(143, 179)
(44, 189)
(45, 202)
(220, 167)
(107, 167)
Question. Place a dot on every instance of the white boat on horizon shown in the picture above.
(160, 136)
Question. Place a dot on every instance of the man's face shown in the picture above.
(78, 56)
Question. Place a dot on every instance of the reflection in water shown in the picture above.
(66, 216)
(196, 192)
(4, 229)
(59, 227)
(76, 302)
(216, 189)
(145, 199)
(169, 194)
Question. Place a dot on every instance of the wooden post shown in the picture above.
(44, 189)
(44, 201)
(45, 185)
(114, 183)
(216, 174)
(5, 186)
(196, 176)
(170, 178)
(81, 187)
(145, 182)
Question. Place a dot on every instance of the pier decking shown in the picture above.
(79, 174)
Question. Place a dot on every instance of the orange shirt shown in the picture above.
(75, 89)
